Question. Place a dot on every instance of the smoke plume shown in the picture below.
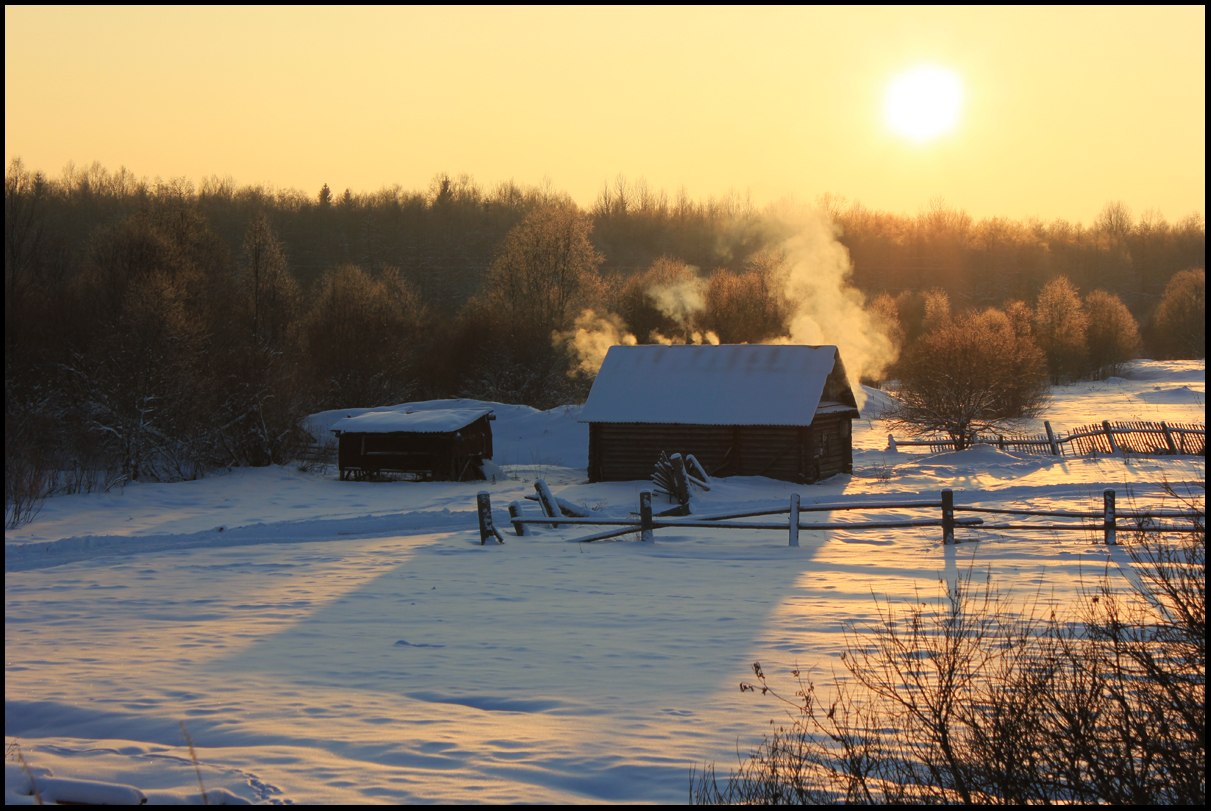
(682, 302)
(815, 278)
(826, 308)
(679, 301)
(691, 337)
(591, 337)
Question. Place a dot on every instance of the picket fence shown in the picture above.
(1102, 439)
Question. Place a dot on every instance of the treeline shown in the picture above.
(154, 330)
(1078, 337)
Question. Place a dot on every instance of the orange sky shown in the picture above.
(1065, 109)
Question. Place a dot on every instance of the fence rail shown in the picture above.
(1106, 438)
(1108, 521)
(315, 453)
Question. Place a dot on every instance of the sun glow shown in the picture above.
(924, 103)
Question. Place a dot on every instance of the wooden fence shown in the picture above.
(1106, 438)
(941, 512)
(317, 454)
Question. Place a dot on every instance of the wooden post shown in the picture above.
(948, 517)
(514, 514)
(1169, 438)
(1055, 446)
(645, 517)
(680, 484)
(1108, 519)
(794, 522)
(486, 527)
(1110, 436)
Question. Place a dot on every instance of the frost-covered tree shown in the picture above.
(362, 337)
(1113, 335)
(544, 275)
(665, 302)
(972, 374)
(1060, 327)
(509, 342)
(752, 306)
(1179, 326)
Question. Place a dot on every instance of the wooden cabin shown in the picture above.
(785, 412)
(436, 444)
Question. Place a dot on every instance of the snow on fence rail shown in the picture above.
(1108, 521)
(1106, 438)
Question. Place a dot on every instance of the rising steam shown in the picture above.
(681, 302)
(815, 279)
(826, 308)
(591, 337)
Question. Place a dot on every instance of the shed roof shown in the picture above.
(732, 384)
(432, 421)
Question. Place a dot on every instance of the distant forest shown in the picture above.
(160, 329)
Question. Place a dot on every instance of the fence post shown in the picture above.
(486, 528)
(1055, 446)
(645, 517)
(514, 514)
(1110, 436)
(1108, 517)
(948, 517)
(1169, 438)
(794, 522)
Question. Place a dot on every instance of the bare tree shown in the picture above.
(24, 215)
(269, 290)
(1114, 220)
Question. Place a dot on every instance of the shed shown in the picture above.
(742, 410)
(441, 444)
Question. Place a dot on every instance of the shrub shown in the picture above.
(968, 702)
(26, 485)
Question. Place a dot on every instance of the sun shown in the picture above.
(924, 103)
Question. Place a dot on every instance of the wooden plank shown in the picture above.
(603, 536)
(546, 499)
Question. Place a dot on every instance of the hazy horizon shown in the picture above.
(1058, 111)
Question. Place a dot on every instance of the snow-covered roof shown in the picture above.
(433, 421)
(733, 384)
